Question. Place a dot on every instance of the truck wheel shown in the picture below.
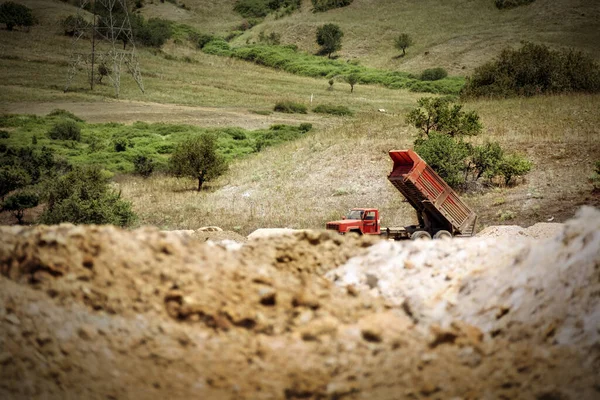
(442, 235)
(420, 235)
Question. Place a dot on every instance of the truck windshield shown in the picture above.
(355, 214)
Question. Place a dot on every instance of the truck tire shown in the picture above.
(420, 235)
(442, 235)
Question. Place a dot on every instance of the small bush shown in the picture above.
(73, 25)
(65, 130)
(305, 127)
(4, 134)
(290, 107)
(83, 196)
(512, 3)
(595, 178)
(19, 202)
(251, 8)
(513, 165)
(121, 144)
(153, 33)
(325, 5)
(218, 47)
(14, 14)
(58, 112)
(332, 109)
(12, 177)
(434, 74)
(143, 165)
(440, 114)
(261, 112)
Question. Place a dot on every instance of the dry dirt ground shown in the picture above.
(128, 112)
(99, 312)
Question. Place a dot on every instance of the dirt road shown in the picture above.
(128, 112)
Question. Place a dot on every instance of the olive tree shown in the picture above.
(402, 42)
(329, 37)
(197, 158)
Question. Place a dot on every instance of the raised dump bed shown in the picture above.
(438, 207)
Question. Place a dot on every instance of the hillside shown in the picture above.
(343, 162)
(457, 35)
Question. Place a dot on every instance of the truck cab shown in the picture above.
(364, 221)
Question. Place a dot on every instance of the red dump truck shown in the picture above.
(440, 212)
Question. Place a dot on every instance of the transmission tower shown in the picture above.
(110, 38)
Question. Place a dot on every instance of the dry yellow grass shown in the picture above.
(305, 183)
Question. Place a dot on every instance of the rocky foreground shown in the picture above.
(98, 312)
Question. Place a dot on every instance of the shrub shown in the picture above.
(83, 196)
(534, 69)
(19, 202)
(121, 144)
(290, 107)
(513, 165)
(197, 158)
(332, 109)
(153, 33)
(4, 134)
(595, 178)
(251, 8)
(12, 177)
(65, 130)
(73, 25)
(143, 165)
(58, 112)
(305, 127)
(324, 5)
(512, 3)
(202, 39)
(351, 79)
(485, 159)
(272, 39)
(442, 115)
(329, 37)
(14, 14)
(434, 74)
(103, 70)
(445, 155)
(402, 42)
(218, 47)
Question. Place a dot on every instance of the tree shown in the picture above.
(329, 37)
(18, 203)
(11, 178)
(13, 14)
(442, 115)
(402, 42)
(445, 155)
(83, 196)
(197, 158)
(73, 25)
(352, 80)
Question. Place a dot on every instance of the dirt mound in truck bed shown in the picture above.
(98, 312)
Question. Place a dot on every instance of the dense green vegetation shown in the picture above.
(332, 109)
(324, 5)
(290, 107)
(261, 8)
(443, 127)
(14, 15)
(532, 70)
(289, 59)
(512, 3)
(83, 196)
(116, 147)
